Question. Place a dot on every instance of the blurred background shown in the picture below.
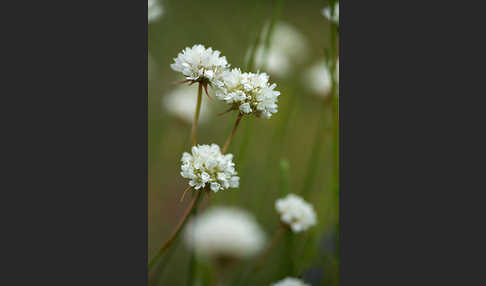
(291, 152)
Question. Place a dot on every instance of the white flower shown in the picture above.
(206, 166)
(289, 281)
(182, 101)
(326, 12)
(287, 47)
(223, 232)
(245, 108)
(318, 79)
(249, 92)
(200, 64)
(154, 10)
(296, 213)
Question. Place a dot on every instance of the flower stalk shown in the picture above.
(276, 237)
(233, 131)
(182, 222)
(196, 115)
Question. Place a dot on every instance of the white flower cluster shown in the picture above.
(181, 102)
(249, 92)
(290, 281)
(154, 10)
(296, 213)
(200, 64)
(326, 12)
(225, 232)
(207, 166)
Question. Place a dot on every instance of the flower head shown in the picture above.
(182, 101)
(249, 92)
(296, 213)
(200, 64)
(206, 166)
(326, 12)
(289, 281)
(223, 232)
(154, 10)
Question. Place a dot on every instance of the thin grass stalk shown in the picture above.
(288, 261)
(335, 104)
(161, 267)
(314, 157)
(192, 261)
(182, 222)
(284, 177)
(276, 237)
(276, 145)
(277, 11)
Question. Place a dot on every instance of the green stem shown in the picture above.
(334, 30)
(192, 260)
(196, 115)
(276, 237)
(182, 222)
(266, 45)
(284, 177)
(228, 141)
(314, 157)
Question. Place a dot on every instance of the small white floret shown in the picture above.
(224, 232)
(296, 213)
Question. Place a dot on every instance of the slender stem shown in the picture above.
(276, 237)
(196, 115)
(228, 141)
(192, 261)
(174, 234)
(277, 11)
(334, 37)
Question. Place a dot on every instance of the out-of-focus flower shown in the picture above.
(296, 213)
(318, 78)
(207, 166)
(182, 101)
(154, 10)
(326, 12)
(290, 281)
(223, 233)
(287, 47)
(249, 92)
(201, 65)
